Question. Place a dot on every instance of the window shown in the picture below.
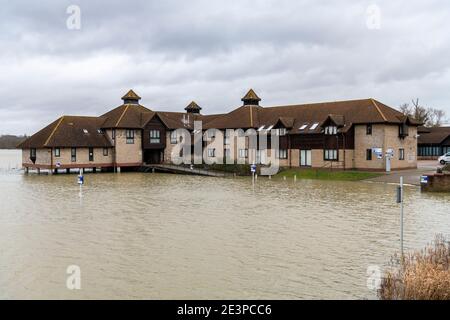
(402, 130)
(369, 154)
(243, 153)
(369, 129)
(173, 137)
(32, 153)
(57, 152)
(85, 131)
(303, 127)
(401, 154)
(91, 154)
(281, 154)
(330, 130)
(314, 126)
(130, 136)
(282, 131)
(260, 128)
(73, 154)
(105, 152)
(226, 138)
(113, 134)
(211, 133)
(330, 154)
(155, 136)
(211, 153)
(227, 153)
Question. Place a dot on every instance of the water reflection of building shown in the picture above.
(340, 134)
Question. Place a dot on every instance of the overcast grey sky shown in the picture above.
(172, 52)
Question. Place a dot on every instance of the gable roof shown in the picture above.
(69, 131)
(434, 135)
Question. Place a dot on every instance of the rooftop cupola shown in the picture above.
(251, 98)
(131, 98)
(193, 107)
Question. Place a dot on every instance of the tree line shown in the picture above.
(10, 141)
(430, 117)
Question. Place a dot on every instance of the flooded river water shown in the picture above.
(162, 236)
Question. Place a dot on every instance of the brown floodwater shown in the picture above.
(162, 236)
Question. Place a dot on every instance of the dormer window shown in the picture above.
(282, 131)
(330, 130)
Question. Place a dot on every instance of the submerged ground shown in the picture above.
(138, 235)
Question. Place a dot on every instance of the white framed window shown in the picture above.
(330, 154)
(329, 130)
(281, 131)
(173, 137)
(281, 154)
(211, 152)
(155, 136)
(401, 154)
(314, 126)
(243, 153)
(211, 133)
(130, 136)
(57, 152)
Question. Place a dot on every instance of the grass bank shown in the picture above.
(323, 174)
(421, 275)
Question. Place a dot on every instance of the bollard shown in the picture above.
(284, 178)
(295, 178)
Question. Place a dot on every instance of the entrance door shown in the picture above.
(152, 156)
(305, 158)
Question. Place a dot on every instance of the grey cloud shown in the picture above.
(171, 52)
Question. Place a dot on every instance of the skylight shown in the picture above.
(303, 127)
(85, 131)
(260, 128)
(269, 128)
(314, 126)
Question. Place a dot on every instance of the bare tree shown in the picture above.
(430, 117)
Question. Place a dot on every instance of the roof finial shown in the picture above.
(131, 98)
(251, 98)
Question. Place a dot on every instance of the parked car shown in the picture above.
(445, 158)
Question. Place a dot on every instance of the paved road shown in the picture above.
(410, 176)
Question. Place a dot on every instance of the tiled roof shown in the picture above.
(69, 131)
(435, 135)
(251, 96)
(353, 111)
(132, 116)
(131, 95)
(193, 106)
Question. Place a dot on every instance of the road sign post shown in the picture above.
(400, 201)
